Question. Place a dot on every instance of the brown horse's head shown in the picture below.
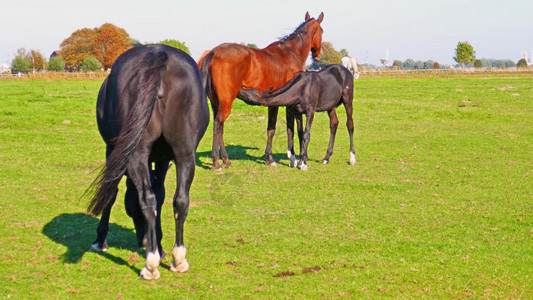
(316, 35)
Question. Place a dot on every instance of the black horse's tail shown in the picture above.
(206, 76)
(141, 94)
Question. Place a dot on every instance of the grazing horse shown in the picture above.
(350, 64)
(151, 109)
(229, 66)
(307, 93)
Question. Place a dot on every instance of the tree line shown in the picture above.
(84, 50)
(465, 56)
(95, 49)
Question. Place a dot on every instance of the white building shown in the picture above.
(4, 68)
(523, 55)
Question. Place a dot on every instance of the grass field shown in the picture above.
(440, 204)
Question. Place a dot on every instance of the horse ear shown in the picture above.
(320, 18)
(307, 16)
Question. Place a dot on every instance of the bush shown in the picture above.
(20, 64)
(176, 44)
(478, 64)
(56, 63)
(90, 64)
(522, 63)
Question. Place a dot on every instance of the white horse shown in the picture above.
(350, 64)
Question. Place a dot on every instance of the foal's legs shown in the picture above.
(185, 164)
(349, 123)
(290, 139)
(271, 130)
(333, 124)
(302, 165)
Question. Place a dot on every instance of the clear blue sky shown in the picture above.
(417, 29)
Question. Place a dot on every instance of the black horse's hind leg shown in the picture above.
(185, 173)
(158, 185)
(139, 173)
(333, 124)
(100, 244)
(271, 130)
(133, 209)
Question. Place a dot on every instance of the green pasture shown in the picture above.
(440, 204)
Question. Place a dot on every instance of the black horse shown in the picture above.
(307, 93)
(151, 109)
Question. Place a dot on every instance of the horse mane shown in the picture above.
(298, 30)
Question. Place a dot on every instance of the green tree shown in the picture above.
(464, 53)
(90, 64)
(478, 64)
(329, 55)
(344, 52)
(522, 63)
(428, 64)
(56, 63)
(20, 64)
(176, 44)
(409, 64)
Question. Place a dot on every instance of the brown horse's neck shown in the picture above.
(299, 45)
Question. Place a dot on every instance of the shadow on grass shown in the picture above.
(77, 231)
(236, 152)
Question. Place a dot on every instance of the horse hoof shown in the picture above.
(227, 164)
(352, 159)
(182, 267)
(302, 167)
(216, 168)
(325, 161)
(271, 163)
(147, 275)
(179, 263)
(97, 248)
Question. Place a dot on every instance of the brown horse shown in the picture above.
(228, 67)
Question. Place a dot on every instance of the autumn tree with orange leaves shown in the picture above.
(111, 41)
(105, 43)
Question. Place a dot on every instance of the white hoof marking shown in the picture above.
(352, 159)
(96, 248)
(179, 263)
(289, 154)
(292, 162)
(147, 275)
(325, 161)
(150, 270)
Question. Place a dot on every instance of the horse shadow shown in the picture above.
(76, 231)
(235, 152)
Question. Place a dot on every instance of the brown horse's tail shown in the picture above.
(140, 94)
(205, 68)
